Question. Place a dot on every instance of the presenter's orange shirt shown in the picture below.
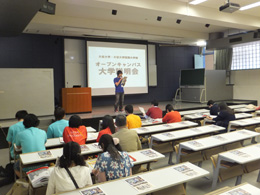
(133, 121)
(78, 135)
(172, 117)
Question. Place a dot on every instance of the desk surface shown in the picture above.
(175, 135)
(244, 110)
(148, 122)
(159, 179)
(245, 122)
(218, 140)
(196, 116)
(243, 189)
(237, 106)
(55, 142)
(186, 112)
(242, 155)
(143, 157)
(238, 117)
(33, 157)
(165, 127)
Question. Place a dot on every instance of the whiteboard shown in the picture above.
(26, 89)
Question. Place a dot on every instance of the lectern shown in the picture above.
(75, 100)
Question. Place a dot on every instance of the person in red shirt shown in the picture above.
(108, 126)
(154, 112)
(171, 115)
(75, 132)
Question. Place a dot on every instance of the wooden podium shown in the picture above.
(75, 100)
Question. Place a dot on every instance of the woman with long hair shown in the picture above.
(108, 126)
(70, 166)
(224, 116)
(113, 163)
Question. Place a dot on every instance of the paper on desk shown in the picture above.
(139, 183)
(92, 191)
(142, 110)
(185, 170)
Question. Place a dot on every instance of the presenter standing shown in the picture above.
(119, 82)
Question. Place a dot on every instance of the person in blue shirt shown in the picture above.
(213, 107)
(15, 129)
(119, 90)
(31, 139)
(56, 129)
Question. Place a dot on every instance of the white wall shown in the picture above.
(246, 84)
(75, 62)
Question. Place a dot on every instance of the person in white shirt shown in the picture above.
(71, 160)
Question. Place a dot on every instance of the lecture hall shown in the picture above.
(112, 97)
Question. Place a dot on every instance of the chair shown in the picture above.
(162, 147)
(233, 146)
(209, 152)
(190, 156)
(227, 170)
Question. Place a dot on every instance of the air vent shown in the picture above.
(238, 39)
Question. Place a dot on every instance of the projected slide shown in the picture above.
(105, 59)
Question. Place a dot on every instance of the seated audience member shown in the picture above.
(113, 163)
(71, 161)
(129, 140)
(31, 139)
(154, 112)
(75, 132)
(213, 107)
(56, 129)
(15, 129)
(225, 115)
(133, 121)
(171, 115)
(108, 126)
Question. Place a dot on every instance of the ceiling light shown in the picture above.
(250, 6)
(178, 21)
(195, 2)
(207, 25)
(201, 43)
(159, 18)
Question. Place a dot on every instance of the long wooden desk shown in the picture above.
(215, 141)
(244, 123)
(240, 156)
(185, 133)
(166, 127)
(158, 179)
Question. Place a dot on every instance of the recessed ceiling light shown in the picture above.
(250, 6)
(195, 2)
(201, 43)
